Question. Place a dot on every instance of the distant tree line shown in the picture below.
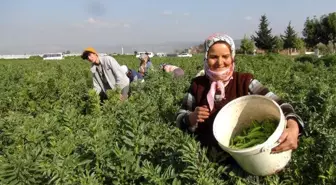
(318, 33)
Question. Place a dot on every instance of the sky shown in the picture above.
(59, 25)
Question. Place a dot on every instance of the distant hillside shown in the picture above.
(167, 47)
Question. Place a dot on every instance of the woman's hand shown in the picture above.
(199, 115)
(289, 138)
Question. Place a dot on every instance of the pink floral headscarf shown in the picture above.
(219, 80)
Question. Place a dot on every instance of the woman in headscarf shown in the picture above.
(131, 74)
(220, 85)
(143, 63)
(177, 71)
(149, 65)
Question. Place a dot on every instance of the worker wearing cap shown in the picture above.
(106, 73)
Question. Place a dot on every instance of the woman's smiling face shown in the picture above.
(219, 57)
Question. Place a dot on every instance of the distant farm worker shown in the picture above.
(132, 74)
(177, 71)
(143, 64)
(149, 65)
(220, 85)
(106, 74)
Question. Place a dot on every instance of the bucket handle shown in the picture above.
(269, 147)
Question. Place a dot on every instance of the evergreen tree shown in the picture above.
(290, 37)
(264, 39)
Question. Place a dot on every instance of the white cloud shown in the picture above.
(248, 18)
(167, 12)
(186, 14)
(91, 20)
(102, 23)
(127, 25)
(98, 22)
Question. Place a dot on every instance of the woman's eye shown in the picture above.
(226, 56)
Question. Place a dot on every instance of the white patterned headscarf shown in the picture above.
(143, 57)
(223, 76)
(210, 41)
(217, 37)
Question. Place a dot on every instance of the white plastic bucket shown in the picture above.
(235, 116)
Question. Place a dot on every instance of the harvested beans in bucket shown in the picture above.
(258, 132)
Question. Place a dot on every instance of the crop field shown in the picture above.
(53, 129)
